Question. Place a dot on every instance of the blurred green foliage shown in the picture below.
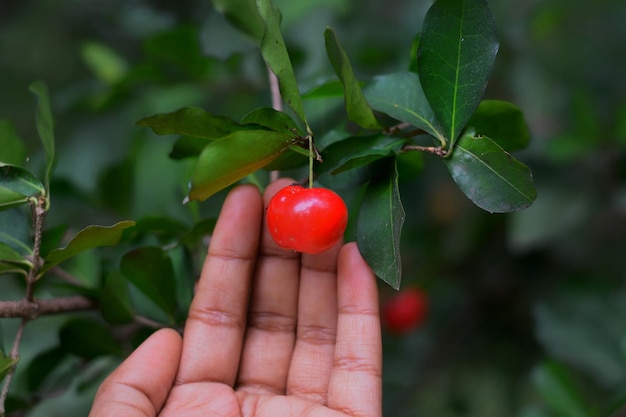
(528, 311)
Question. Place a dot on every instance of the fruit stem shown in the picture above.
(311, 156)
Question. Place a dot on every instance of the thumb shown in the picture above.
(141, 384)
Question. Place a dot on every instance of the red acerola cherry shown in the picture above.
(405, 311)
(307, 220)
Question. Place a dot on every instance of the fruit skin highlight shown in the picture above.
(405, 311)
(307, 220)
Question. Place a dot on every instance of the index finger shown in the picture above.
(215, 326)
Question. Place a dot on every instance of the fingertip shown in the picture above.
(275, 186)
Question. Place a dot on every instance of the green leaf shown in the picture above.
(6, 363)
(503, 122)
(13, 150)
(115, 300)
(400, 96)
(151, 271)
(45, 127)
(379, 226)
(455, 56)
(489, 176)
(18, 180)
(192, 121)
(558, 389)
(88, 338)
(88, 238)
(15, 229)
(271, 119)
(357, 108)
(329, 89)
(230, 159)
(8, 255)
(275, 53)
(354, 152)
(242, 14)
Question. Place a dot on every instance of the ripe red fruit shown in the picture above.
(405, 311)
(308, 220)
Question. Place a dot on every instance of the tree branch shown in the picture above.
(29, 310)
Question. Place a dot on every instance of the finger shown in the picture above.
(141, 384)
(271, 327)
(356, 378)
(217, 316)
(317, 327)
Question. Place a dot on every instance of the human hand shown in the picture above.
(269, 333)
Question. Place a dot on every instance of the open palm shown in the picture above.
(269, 333)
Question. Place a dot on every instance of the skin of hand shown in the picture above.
(269, 333)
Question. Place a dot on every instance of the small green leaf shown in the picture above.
(18, 180)
(88, 338)
(357, 107)
(271, 119)
(115, 300)
(13, 150)
(8, 255)
(400, 96)
(151, 271)
(379, 226)
(45, 127)
(354, 152)
(230, 159)
(10, 198)
(192, 121)
(88, 238)
(242, 14)
(455, 56)
(558, 389)
(329, 89)
(489, 176)
(275, 53)
(6, 363)
(503, 122)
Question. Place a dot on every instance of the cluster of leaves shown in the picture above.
(435, 107)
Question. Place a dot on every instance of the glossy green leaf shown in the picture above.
(88, 338)
(242, 14)
(357, 108)
(45, 127)
(192, 121)
(15, 230)
(558, 390)
(6, 363)
(271, 119)
(379, 225)
(503, 122)
(455, 57)
(230, 159)
(329, 89)
(12, 149)
(400, 96)
(115, 303)
(151, 271)
(489, 176)
(10, 198)
(275, 53)
(17, 180)
(88, 238)
(8, 255)
(354, 152)
(11, 268)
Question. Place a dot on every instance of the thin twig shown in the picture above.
(15, 352)
(29, 310)
(436, 150)
(277, 104)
